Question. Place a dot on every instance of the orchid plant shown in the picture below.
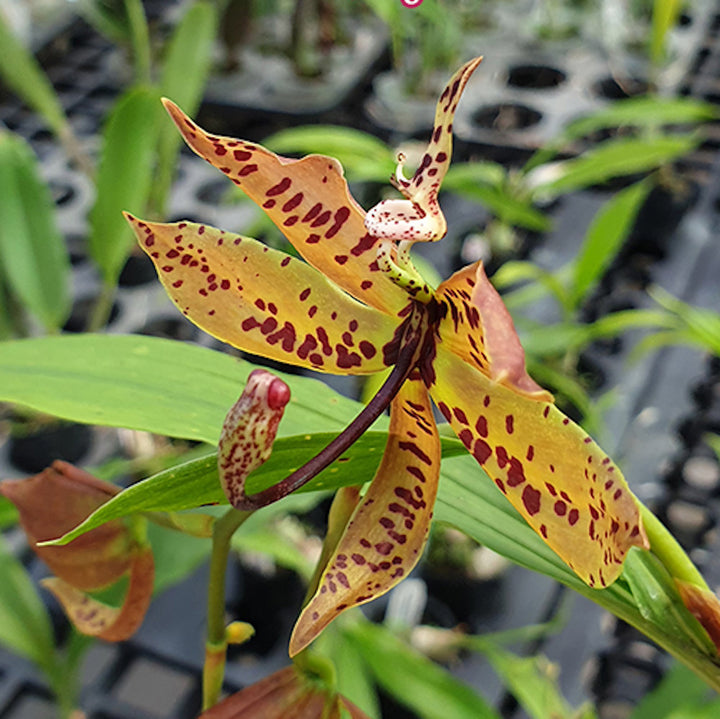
(358, 306)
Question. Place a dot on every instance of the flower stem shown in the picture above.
(216, 643)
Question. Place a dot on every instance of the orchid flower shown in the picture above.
(358, 306)
(52, 503)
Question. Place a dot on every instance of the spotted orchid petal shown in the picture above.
(265, 301)
(418, 217)
(309, 201)
(249, 431)
(477, 327)
(567, 489)
(388, 529)
(100, 620)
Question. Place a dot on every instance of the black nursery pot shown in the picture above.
(37, 450)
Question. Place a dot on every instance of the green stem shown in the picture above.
(216, 644)
(666, 548)
(102, 309)
(140, 38)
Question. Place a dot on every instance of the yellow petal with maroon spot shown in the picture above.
(388, 529)
(567, 489)
(477, 327)
(100, 620)
(263, 301)
(309, 201)
(419, 218)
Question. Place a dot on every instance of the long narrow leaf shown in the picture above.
(124, 177)
(24, 623)
(151, 384)
(33, 256)
(614, 158)
(678, 689)
(482, 183)
(184, 74)
(644, 112)
(665, 15)
(428, 689)
(608, 230)
(363, 156)
(23, 74)
(531, 680)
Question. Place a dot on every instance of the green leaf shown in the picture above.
(24, 623)
(466, 174)
(124, 177)
(354, 679)
(664, 17)
(195, 483)
(108, 20)
(363, 156)
(531, 680)
(607, 232)
(645, 112)
(515, 271)
(701, 326)
(614, 158)
(139, 39)
(151, 384)
(23, 74)
(8, 513)
(33, 256)
(479, 182)
(707, 711)
(186, 68)
(679, 689)
(415, 681)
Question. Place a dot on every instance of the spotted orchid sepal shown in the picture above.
(567, 489)
(264, 301)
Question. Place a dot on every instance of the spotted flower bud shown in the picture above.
(249, 432)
